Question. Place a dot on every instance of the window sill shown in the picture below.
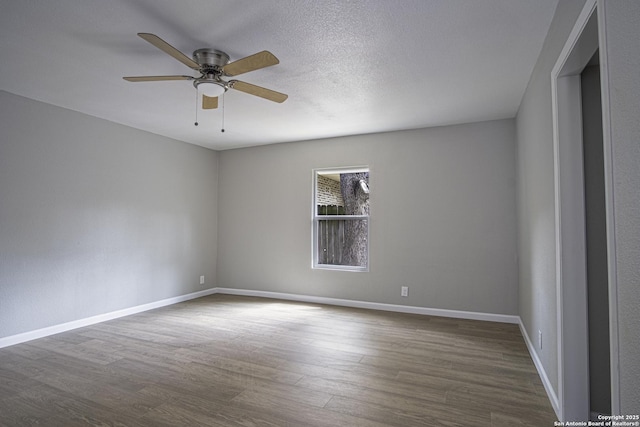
(340, 268)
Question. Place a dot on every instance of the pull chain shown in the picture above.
(196, 123)
(222, 130)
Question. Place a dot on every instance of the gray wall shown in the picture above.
(537, 301)
(96, 217)
(442, 217)
(621, 26)
(536, 229)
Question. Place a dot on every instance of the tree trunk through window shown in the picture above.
(355, 193)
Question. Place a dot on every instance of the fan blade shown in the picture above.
(156, 78)
(250, 63)
(167, 48)
(269, 94)
(209, 102)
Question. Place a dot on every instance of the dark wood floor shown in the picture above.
(238, 361)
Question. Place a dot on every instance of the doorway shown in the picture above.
(596, 241)
(584, 376)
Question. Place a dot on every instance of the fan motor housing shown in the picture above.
(210, 58)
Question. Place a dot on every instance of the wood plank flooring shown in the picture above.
(238, 361)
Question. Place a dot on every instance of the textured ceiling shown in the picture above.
(349, 67)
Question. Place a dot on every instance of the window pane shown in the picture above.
(343, 242)
(342, 193)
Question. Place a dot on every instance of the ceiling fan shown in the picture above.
(213, 65)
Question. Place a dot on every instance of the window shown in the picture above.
(341, 219)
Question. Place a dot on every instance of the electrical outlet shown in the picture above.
(540, 339)
(404, 291)
(202, 280)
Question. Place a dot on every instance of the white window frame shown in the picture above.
(315, 219)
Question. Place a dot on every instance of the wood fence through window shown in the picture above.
(330, 235)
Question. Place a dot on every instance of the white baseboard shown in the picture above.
(56, 329)
(553, 398)
(503, 318)
(51, 330)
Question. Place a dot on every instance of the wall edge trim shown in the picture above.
(471, 315)
(75, 324)
(551, 394)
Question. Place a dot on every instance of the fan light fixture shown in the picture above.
(212, 64)
(211, 89)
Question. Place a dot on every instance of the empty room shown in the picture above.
(319, 213)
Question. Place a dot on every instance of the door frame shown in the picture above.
(571, 280)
